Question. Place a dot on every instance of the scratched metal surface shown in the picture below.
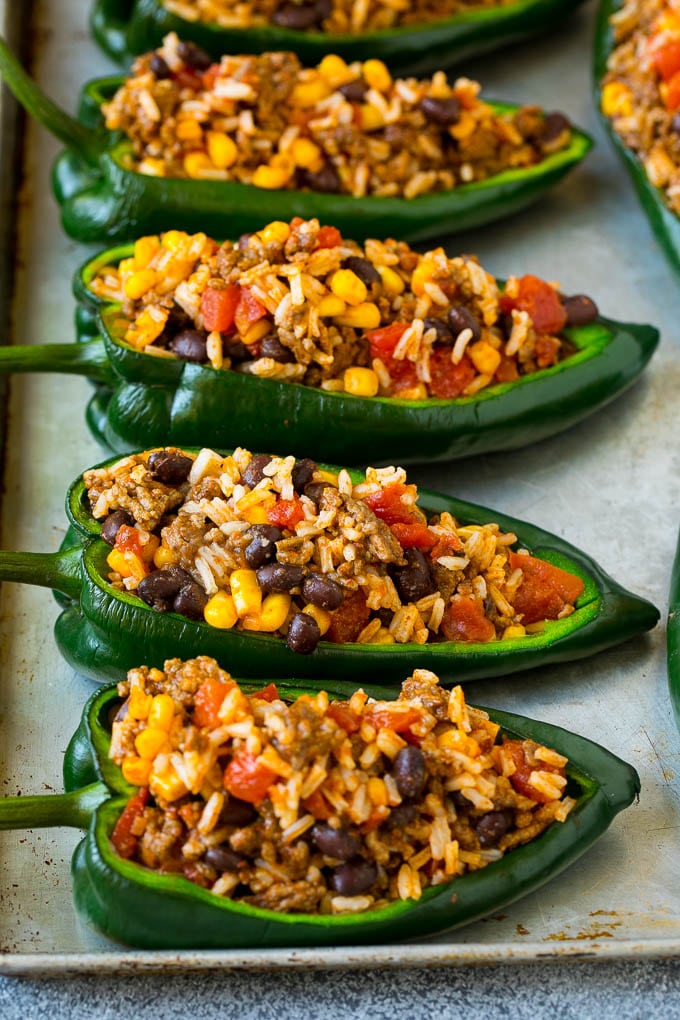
(611, 486)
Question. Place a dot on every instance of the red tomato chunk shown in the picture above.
(248, 779)
(122, 836)
(545, 589)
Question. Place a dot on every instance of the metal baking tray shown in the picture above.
(611, 485)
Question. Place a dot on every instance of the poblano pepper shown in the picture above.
(102, 629)
(154, 401)
(673, 638)
(102, 200)
(126, 27)
(136, 906)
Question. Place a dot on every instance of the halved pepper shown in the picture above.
(665, 224)
(673, 637)
(142, 908)
(102, 200)
(151, 401)
(101, 630)
(126, 27)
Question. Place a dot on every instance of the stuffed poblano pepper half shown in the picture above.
(225, 816)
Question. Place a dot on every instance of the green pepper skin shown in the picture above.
(124, 28)
(673, 637)
(665, 224)
(135, 906)
(101, 200)
(101, 632)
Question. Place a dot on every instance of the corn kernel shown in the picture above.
(246, 592)
(220, 611)
(360, 382)
(417, 392)
(256, 514)
(484, 357)
(348, 287)
(126, 266)
(377, 791)
(166, 785)
(617, 100)
(370, 117)
(256, 332)
(189, 131)
(275, 608)
(306, 154)
(283, 161)
(151, 167)
(276, 232)
(162, 712)
(309, 93)
(326, 476)
(164, 557)
(364, 316)
(139, 283)
(139, 704)
(421, 275)
(383, 637)
(221, 149)
(376, 75)
(174, 239)
(392, 282)
(323, 618)
(150, 742)
(270, 177)
(515, 630)
(195, 163)
(127, 564)
(149, 548)
(145, 249)
(335, 71)
(330, 305)
(136, 770)
(464, 128)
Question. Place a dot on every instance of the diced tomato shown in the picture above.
(210, 76)
(393, 719)
(286, 513)
(464, 620)
(446, 545)
(545, 589)
(122, 837)
(542, 303)
(447, 381)
(218, 307)
(671, 95)
(385, 339)
(667, 60)
(520, 777)
(317, 805)
(414, 536)
(340, 713)
(328, 237)
(248, 311)
(507, 370)
(128, 540)
(388, 505)
(403, 376)
(187, 78)
(269, 693)
(208, 701)
(349, 619)
(248, 779)
(296, 222)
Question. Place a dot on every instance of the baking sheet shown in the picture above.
(610, 485)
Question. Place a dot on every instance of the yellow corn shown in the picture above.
(139, 704)
(195, 163)
(421, 275)
(330, 306)
(309, 93)
(147, 326)
(376, 75)
(221, 149)
(276, 232)
(166, 785)
(139, 283)
(360, 382)
(220, 611)
(145, 249)
(246, 592)
(323, 619)
(417, 392)
(484, 357)
(256, 332)
(617, 100)
(256, 514)
(271, 177)
(392, 282)
(164, 557)
(465, 126)
(162, 712)
(515, 630)
(307, 154)
(174, 239)
(377, 791)
(370, 117)
(151, 167)
(189, 131)
(383, 637)
(150, 742)
(275, 608)
(364, 316)
(127, 564)
(126, 266)
(456, 740)
(136, 770)
(334, 70)
(326, 476)
(348, 287)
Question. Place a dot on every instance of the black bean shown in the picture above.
(262, 546)
(461, 318)
(176, 321)
(323, 592)
(160, 588)
(336, 843)
(444, 334)
(326, 179)
(401, 815)
(314, 491)
(190, 345)
(554, 125)
(272, 347)
(492, 826)
(159, 67)
(674, 125)
(222, 859)
(193, 56)
(443, 112)
(191, 601)
(279, 577)
(364, 269)
(354, 91)
(323, 9)
(303, 634)
(254, 473)
(296, 16)
(354, 877)
(238, 351)
(410, 772)
(169, 467)
(303, 472)
(113, 523)
(237, 812)
(414, 581)
(580, 310)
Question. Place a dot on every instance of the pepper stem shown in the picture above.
(60, 570)
(70, 131)
(68, 359)
(73, 809)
